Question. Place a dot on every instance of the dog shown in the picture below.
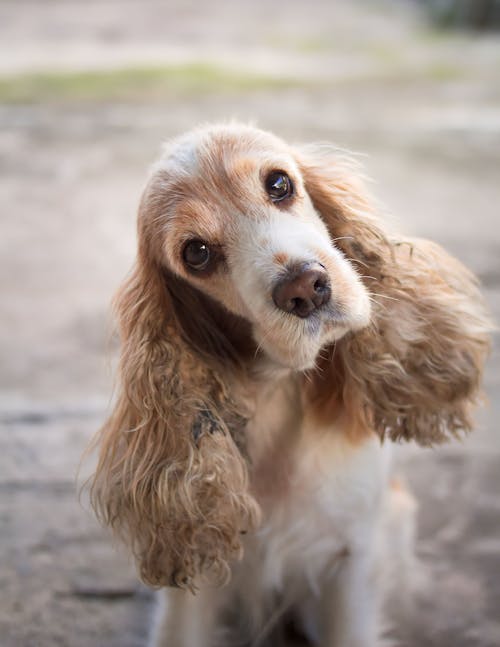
(274, 334)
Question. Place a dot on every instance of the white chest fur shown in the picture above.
(329, 508)
(320, 494)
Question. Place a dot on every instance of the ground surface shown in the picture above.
(74, 147)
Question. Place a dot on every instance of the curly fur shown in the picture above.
(213, 426)
(415, 371)
(170, 479)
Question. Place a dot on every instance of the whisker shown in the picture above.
(374, 301)
(259, 345)
(356, 260)
(342, 238)
(385, 296)
(266, 331)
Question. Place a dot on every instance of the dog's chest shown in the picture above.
(319, 495)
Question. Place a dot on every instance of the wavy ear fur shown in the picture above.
(170, 479)
(416, 370)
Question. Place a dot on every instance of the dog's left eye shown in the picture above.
(196, 254)
(278, 186)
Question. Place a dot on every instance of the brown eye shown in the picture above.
(196, 254)
(278, 186)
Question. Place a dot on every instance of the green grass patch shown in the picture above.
(134, 83)
(445, 72)
(198, 80)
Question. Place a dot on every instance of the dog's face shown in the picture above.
(234, 219)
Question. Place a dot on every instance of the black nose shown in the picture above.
(304, 289)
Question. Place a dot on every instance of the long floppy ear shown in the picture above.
(416, 370)
(170, 479)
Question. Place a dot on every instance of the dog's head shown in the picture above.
(228, 212)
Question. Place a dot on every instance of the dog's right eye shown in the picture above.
(278, 186)
(196, 254)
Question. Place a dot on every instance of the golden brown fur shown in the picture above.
(173, 475)
(170, 479)
(415, 371)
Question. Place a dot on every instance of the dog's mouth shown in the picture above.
(295, 342)
(330, 315)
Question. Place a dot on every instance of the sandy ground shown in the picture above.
(424, 108)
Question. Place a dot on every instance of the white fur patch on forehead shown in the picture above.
(180, 155)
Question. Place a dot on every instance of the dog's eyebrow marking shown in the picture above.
(242, 167)
(281, 258)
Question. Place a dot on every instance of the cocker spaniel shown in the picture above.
(273, 335)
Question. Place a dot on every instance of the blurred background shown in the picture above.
(88, 91)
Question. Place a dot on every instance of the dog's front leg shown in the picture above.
(185, 620)
(349, 606)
